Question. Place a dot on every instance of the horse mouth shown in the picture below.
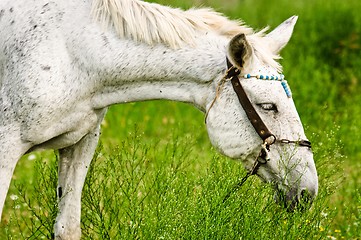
(293, 199)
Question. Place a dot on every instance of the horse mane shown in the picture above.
(153, 23)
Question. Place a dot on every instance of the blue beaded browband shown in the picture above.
(280, 78)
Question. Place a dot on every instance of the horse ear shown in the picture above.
(239, 50)
(280, 36)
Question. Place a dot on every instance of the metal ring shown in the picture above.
(272, 142)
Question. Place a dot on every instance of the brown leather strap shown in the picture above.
(252, 115)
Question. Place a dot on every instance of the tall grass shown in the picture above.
(158, 191)
(164, 181)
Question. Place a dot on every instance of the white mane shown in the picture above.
(153, 23)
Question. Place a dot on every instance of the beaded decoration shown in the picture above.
(280, 78)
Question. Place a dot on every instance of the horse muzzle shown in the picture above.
(295, 199)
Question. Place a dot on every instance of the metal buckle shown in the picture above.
(263, 157)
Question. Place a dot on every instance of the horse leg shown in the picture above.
(74, 162)
(11, 150)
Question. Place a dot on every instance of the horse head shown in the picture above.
(273, 145)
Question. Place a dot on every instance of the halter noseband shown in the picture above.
(267, 137)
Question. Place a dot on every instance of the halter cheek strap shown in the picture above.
(252, 114)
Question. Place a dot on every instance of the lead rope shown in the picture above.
(257, 163)
(236, 187)
(262, 158)
(218, 91)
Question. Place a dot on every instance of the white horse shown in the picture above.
(62, 63)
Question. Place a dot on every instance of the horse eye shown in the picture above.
(268, 106)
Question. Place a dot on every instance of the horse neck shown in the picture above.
(138, 72)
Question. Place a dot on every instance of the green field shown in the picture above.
(156, 175)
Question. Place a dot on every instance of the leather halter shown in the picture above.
(256, 121)
(261, 129)
(267, 137)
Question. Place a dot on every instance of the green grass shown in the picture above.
(163, 180)
(151, 190)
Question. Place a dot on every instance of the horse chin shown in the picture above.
(293, 200)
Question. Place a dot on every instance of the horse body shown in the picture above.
(83, 69)
(60, 70)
